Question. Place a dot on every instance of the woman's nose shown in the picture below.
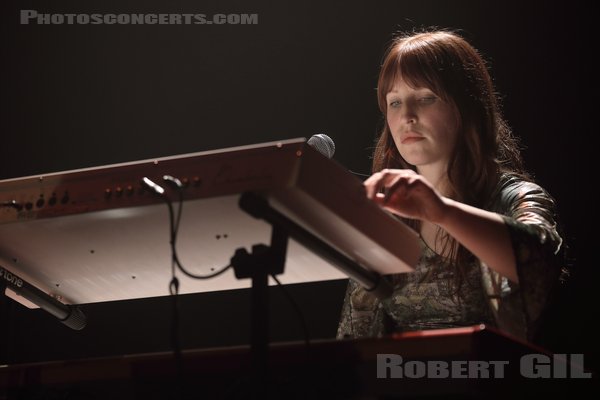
(409, 115)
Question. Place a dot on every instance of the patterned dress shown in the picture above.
(431, 297)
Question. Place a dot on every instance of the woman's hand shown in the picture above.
(484, 233)
(408, 194)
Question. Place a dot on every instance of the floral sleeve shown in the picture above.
(361, 314)
(345, 324)
(529, 214)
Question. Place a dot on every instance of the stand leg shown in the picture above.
(260, 332)
(263, 262)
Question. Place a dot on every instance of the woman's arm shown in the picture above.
(484, 233)
(520, 242)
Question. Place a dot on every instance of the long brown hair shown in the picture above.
(448, 65)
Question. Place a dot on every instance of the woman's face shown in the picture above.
(424, 126)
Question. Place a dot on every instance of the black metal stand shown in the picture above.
(259, 208)
(262, 262)
(270, 260)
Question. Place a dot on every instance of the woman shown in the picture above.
(447, 164)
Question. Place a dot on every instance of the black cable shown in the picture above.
(174, 292)
(174, 182)
(296, 308)
(174, 223)
(175, 339)
(359, 174)
(209, 276)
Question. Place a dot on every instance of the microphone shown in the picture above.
(323, 144)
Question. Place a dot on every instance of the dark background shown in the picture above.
(78, 96)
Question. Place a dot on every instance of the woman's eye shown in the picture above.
(394, 103)
(427, 99)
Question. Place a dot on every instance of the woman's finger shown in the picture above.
(372, 183)
(397, 189)
(385, 180)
